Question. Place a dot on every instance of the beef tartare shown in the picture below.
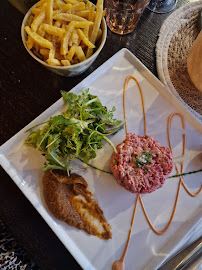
(141, 164)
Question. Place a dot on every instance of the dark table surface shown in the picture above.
(27, 89)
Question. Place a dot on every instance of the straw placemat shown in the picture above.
(176, 37)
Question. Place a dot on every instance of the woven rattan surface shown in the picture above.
(176, 37)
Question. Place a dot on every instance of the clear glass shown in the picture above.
(123, 15)
(162, 6)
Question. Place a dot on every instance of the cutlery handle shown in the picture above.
(197, 250)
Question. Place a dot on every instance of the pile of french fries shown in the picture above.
(64, 33)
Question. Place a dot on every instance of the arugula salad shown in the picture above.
(77, 133)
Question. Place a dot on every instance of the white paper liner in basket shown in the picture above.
(183, 17)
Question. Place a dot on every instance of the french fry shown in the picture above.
(68, 17)
(78, 7)
(58, 55)
(38, 39)
(88, 5)
(91, 18)
(67, 7)
(83, 13)
(45, 53)
(57, 11)
(64, 25)
(53, 62)
(96, 26)
(65, 39)
(75, 38)
(82, 24)
(40, 3)
(71, 53)
(70, 44)
(49, 11)
(73, 2)
(86, 31)
(57, 4)
(85, 39)
(64, 32)
(36, 11)
(99, 34)
(66, 63)
(48, 37)
(41, 31)
(57, 23)
(79, 52)
(38, 20)
(29, 43)
(51, 53)
(73, 8)
(30, 20)
(37, 47)
(91, 14)
(53, 30)
(37, 53)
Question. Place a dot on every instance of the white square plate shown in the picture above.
(146, 250)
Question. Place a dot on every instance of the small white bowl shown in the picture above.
(68, 71)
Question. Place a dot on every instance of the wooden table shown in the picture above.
(27, 89)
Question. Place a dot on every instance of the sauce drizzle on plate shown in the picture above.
(120, 264)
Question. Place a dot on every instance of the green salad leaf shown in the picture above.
(77, 133)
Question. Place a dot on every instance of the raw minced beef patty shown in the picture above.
(141, 164)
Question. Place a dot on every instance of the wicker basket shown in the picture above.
(176, 37)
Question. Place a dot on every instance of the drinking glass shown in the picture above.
(123, 15)
(162, 6)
